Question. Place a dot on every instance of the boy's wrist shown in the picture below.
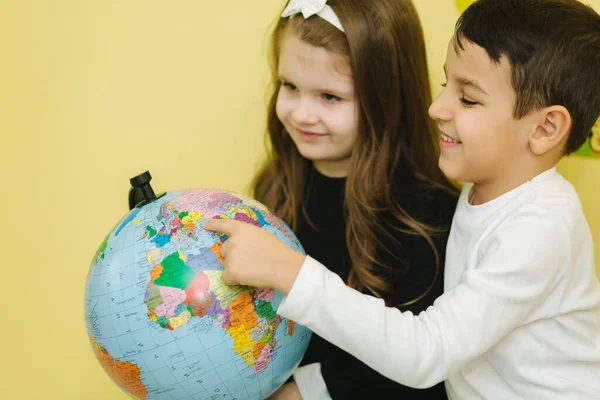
(285, 278)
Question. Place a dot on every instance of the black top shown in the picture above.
(345, 376)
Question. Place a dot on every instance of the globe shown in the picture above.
(162, 322)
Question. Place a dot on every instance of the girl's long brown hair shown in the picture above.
(384, 45)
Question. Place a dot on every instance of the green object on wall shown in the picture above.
(462, 5)
(591, 148)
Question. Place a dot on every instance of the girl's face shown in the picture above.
(316, 105)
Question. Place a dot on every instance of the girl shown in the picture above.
(353, 169)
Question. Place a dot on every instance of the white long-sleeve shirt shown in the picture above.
(520, 316)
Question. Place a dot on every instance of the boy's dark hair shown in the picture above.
(553, 47)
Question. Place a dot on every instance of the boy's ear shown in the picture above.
(552, 129)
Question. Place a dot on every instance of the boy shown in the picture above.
(520, 316)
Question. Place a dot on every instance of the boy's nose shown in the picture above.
(438, 111)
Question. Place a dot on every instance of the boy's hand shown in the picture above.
(255, 257)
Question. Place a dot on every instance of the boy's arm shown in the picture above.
(519, 265)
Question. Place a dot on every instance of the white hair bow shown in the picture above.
(309, 8)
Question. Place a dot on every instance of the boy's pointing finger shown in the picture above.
(227, 226)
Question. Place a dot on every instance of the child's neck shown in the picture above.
(333, 169)
(509, 179)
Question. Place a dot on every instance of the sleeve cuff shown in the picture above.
(310, 382)
(296, 305)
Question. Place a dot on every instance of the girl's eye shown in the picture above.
(330, 97)
(289, 86)
(444, 84)
(467, 102)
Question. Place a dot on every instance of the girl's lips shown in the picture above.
(309, 136)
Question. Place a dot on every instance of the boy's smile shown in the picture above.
(448, 141)
(481, 142)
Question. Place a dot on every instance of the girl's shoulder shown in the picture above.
(427, 202)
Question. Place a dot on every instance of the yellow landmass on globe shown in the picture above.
(153, 255)
(182, 319)
(182, 256)
(245, 210)
(192, 217)
(225, 294)
(242, 343)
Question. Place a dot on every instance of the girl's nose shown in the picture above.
(304, 114)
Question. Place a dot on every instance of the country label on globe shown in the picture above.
(163, 323)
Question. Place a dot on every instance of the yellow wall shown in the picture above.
(94, 92)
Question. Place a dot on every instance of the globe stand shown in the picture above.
(141, 193)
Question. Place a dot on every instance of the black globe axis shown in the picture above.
(141, 192)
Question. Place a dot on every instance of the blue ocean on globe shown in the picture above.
(160, 319)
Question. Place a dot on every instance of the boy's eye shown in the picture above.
(467, 102)
(330, 97)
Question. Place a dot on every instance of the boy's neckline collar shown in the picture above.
(549, 173)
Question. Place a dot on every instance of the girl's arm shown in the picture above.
(346, 377)
(310, 383)
(289, 391)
